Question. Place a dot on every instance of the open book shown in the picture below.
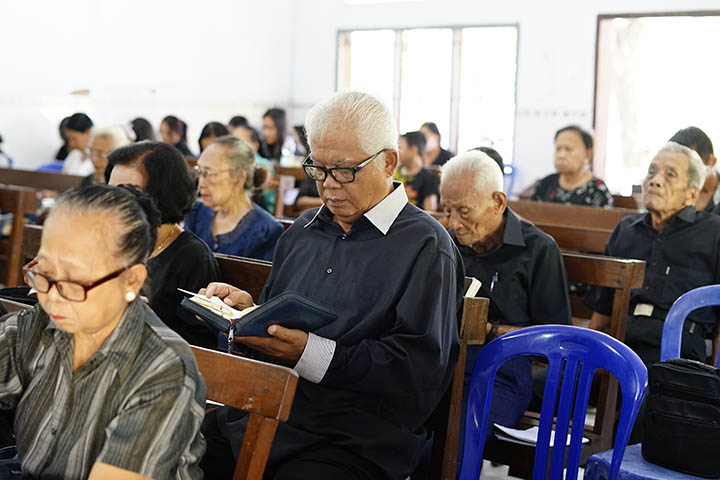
(288, 310)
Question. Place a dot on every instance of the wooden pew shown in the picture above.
(446, 420)
(574, 215)
(58, 182)
(263, 390)
(568, 237)
(622, 275)
(246, 273)
(19, 201)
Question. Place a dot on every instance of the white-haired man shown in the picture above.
(370, 379)
(681, 247)
(520, 267)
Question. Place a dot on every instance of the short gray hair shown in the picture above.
(117, 134)
(242, 157)
(362, 113)
(696, 167)
(486, 172)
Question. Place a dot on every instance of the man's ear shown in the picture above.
(691, 196)
(499, 201)
(712, 160)
(391, 162)
(135, 278)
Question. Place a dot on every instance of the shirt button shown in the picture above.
(343, 236)
(329, 271)
(53, 431)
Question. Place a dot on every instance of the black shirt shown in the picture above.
(593, 193)
(185, 150)
(443, 157)
(684, 256)
(396, 336)
(524, 277)
(419, 186)
(189, 264)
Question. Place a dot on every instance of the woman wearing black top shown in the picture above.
(573, 183)
(180, 259)
(434, 153)
(173, 131)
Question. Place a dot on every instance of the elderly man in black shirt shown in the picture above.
(520, 267)
(370, 379)
(681, 247)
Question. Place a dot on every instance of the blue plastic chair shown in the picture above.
(708, 296)
(575, 354)
(634, 466)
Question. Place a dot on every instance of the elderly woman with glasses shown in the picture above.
(101, 388)
(226, 219)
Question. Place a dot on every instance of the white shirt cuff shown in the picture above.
(316, 358)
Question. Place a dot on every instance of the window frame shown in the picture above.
(455, 93)
(598, 161)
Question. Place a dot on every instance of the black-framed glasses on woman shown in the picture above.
(340, 174)
(68, 289)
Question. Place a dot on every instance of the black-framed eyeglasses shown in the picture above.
(69, 290)
(339, 174)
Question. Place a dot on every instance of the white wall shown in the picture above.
(202, 61)
(209, 60)
(556, 63)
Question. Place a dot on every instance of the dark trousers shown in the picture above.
(322, 462)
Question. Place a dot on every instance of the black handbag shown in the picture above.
(682, 417)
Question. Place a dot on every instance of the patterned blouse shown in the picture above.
(593, 193)
(137, 404)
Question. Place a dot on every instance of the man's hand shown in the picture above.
(233, 296)
(286, 344)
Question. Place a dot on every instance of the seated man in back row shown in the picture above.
(370, 379)
(681, 247)
(520, 267)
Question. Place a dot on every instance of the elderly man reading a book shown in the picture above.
(371, 377)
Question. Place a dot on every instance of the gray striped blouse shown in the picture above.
(136, 404)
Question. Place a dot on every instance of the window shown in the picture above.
(463, 79)
(655, 75)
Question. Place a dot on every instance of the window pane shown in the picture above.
(366, 62)
(656, 75)
(426, 80)
(487, 89)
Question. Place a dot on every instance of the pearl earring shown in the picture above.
(130, 296)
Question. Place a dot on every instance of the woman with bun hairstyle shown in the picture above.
(226, 218)
(100, 387)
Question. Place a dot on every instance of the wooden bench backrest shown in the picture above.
(263, 390)
(573, 215)
(58, 182)
(447, 424)
(246, 273)
(19, 201)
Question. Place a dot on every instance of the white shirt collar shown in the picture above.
(384, 214)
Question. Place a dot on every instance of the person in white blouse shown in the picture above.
(78, 130)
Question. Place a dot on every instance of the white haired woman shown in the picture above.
(104, 142)
(226, 219)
